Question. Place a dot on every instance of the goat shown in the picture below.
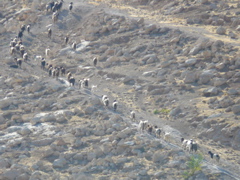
(55, 17)
(94, 88)
(20, 34)
(95, 61)
(49, 6)
(12, 43)
(18, 61)
(22, 51)
(59, 6)
(184, 143)
(191, 146)
(74, 45)
(69, 74)
(70, 6)
(28, 28)
(63, 70)
(149, 129)
(115, 103)
(23, 27)
(25, 56)
(105, 100)
(50, 71)
(12, 50)
(214, 156)
(133, 115)
(57, 70)
(72, 81)
(85, 82)
(47, 52)
(142, 125)
(49, 33)
(157, 131)
(43, 63)
(66, 39)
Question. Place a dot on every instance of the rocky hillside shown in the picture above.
(174, 63)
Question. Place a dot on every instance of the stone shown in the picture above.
(212, 91)
(150, 28)
(233, 92)
(24, 131)
(43, 142)
(221, 30)
(219, 81)
(191, 62)
(236, 109)
(190, 77)
(59, 163)
(4, 163)
(175, 111)
(205, 77)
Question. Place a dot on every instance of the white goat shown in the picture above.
(133, 115)
(115, 103)
(142, 125)
(47, 52)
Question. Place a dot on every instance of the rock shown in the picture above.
(59, 163)
(232, 35)
(25, 131)
(23, 176)
(236, 109)
(175, 111)
(4, 163)
(225, 102)
(150, 58)
(159, 156)
(233, 92)
(47, 152)
(212, 91)
(89, 110)
(221, 30)
(190, 77)
(2, 119)
(195, 50)
(128, 81)
(191, 62)
(205, 77)
(150, 28)
(43, 142)
(148, 73)
(11, 174)
(219, 81)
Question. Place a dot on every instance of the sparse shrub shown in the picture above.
(193, 164)
(156, 111)
(162, 111)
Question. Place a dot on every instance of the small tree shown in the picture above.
(194, 164)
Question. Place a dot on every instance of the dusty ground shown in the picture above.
(110, 74)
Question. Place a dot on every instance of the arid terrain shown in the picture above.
(175, 63)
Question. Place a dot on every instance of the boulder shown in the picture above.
(59, 163)
(221, 30)
(212, 91)
(150, 28)
(236, 109)
(205, 77)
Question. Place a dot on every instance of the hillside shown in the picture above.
(174, 63)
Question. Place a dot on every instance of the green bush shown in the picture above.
(194, 164)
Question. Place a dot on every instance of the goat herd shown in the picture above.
(17, 49)
(189, 145)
